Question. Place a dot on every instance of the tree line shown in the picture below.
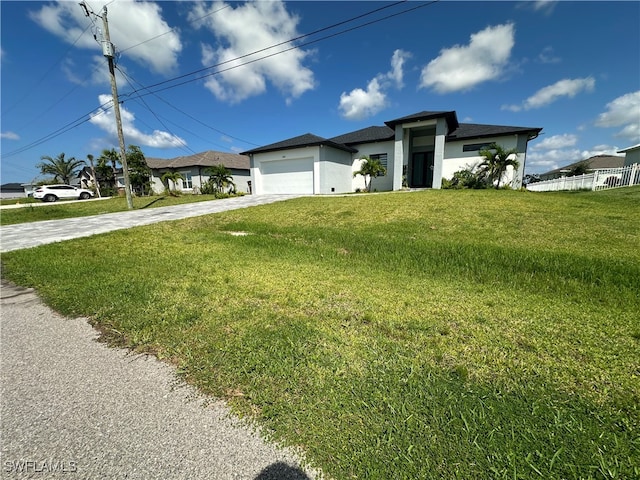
(104, 171)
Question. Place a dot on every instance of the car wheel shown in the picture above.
(50, 198)
(84, 196)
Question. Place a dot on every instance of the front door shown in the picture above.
(421, 170)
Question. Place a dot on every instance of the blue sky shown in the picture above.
(572, 68)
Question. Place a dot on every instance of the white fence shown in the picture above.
(598, 180)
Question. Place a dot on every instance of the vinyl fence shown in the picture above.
(598, 180)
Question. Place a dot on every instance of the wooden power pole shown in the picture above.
(108, 51)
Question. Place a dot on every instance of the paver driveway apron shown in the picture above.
(26, 235)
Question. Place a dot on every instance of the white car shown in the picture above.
(51, 193)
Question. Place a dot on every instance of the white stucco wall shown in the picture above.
(632, 156)
(456, 159)
(335, 171)
(380, 184)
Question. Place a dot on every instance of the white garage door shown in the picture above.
(287, 176)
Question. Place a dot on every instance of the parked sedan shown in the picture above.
(51, 193)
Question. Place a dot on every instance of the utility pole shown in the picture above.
(108, 51)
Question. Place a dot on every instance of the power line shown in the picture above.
(194, 118)
(311, 42)
(185, 146)
(274, 46)
(77, 122)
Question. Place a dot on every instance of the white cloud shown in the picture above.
(462, 67)
(543, 161)
(131, 24)
(359, 104)
(105, 120)
(548, 56)
(563, 88)
(544, 6)
(556, 142)
(623, 112)
(10, 136)
(248, 28)
(397, 63)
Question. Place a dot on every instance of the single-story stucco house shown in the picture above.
(597, 162)
(193, 169)
(631, 155)
(418, 151)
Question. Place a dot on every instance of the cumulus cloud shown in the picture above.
(104, 119)
(564, 88)
(556, 141)
(462, 67)
(131, 25)
(623, 112)
(359, 104)
(540, 159)
(10, 136)
(245, 29)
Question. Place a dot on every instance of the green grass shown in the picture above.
(438, 334)
(64, 209)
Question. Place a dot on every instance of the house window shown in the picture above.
(380, 156)
(475, 147)
(187, 181)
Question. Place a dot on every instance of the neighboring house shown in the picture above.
(12, 190)
(598, 162)
(631, 155)
(418, 151)
(193, 169)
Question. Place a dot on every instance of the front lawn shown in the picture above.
(436, 334)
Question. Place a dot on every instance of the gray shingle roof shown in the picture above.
(475, 130)
(451, 117)
(593, 163)
(365, 135)
(209, 158)
(306, 140)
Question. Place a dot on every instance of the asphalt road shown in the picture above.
(73, 408)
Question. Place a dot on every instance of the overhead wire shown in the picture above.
(184, 145)
(77, 122)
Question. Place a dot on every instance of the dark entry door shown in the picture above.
(422, 170)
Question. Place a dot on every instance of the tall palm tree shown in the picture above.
(495, 160)
(62, 169)
(221, 178)
(107, 167)
(369, 169)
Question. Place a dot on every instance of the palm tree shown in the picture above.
(107, 166)
(495, 162)
(370, 168)
(63, 170)
(174, 177)
(220, 178)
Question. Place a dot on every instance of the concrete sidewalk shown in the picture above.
(27, 235)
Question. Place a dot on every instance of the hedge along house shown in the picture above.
(193, 169)
(418, 151)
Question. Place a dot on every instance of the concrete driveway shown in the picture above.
(73, 408)
(26, 235)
